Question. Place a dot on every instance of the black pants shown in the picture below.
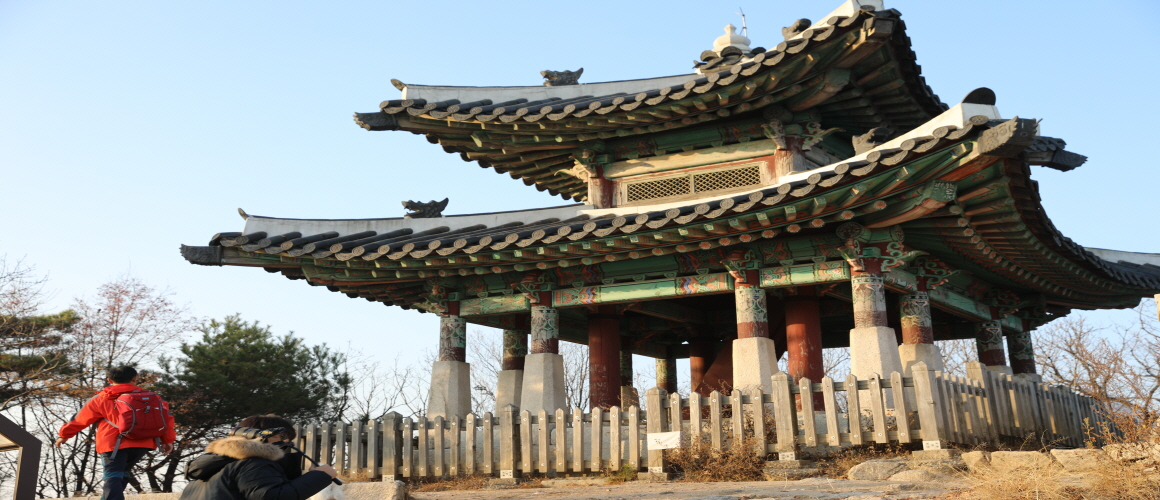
(117, 471)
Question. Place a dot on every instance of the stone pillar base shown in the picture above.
(629, 396)
(543, 384)
(508, 388)
(1026, 377)
(930, 354)
(1001, 369)
(754, 362)
(450, 389)
(874, 349)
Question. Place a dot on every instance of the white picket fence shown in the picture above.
(935, 409)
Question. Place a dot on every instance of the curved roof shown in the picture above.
(854, 70)
(994, 228)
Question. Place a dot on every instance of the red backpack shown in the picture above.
(138, 415)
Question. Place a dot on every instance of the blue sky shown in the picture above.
(128, 128)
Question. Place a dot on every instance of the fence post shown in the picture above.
(527, 460)
(901, 412)
(634, 438)
(392, 446)
(933, 433)
(407, 440)
(374, 461)
(509, 441)
(785, 412)
(488, 443)
(655, 422)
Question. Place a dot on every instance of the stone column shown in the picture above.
(754, 353)
(450, 393)
(701, 356)
(803, 335)
(628, 394)
(604, 358)
(989, 342)
(873, 347)
(543, 379)
(918, 334)
(511, 375)
(667, 374)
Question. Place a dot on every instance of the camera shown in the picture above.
(251, 433)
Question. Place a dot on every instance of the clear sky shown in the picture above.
(128, 128)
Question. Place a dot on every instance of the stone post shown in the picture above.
(989, 342)
(604, 358)
(803, 335)
(450, 393)
(754, 353)
(511, 376)
(918, 334)
(628, 394)
(543, 380)
(873, 347)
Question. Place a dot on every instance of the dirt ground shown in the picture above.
(812, 488)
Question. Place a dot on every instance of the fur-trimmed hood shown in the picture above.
(225, 451)
(239, 447)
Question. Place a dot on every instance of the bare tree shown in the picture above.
(127, 322)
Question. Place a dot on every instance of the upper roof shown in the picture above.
(853, 69)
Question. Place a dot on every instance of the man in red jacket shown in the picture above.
(118, 458)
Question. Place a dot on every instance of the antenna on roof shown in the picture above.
(744, 28)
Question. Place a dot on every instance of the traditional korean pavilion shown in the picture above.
(776, 202)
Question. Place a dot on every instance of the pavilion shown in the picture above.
(779, 201)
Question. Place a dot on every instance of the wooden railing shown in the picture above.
(935, 409)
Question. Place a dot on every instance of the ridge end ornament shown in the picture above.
(429, 210)
(560, 78)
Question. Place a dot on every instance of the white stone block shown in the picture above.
(543, 384)
(450, 389)
(874, 350)
(911, 354)
(508, 388)
(754, 363)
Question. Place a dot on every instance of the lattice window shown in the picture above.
(726, 179)
(661, 188)
(687, 184)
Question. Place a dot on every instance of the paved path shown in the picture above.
(812, 488)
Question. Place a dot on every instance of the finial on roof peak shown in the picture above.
(731, 39)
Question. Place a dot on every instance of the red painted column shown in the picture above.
(803, 335)
(1021, 350)
(752, 313)
(604, 358)
(989, 342)
(915, 318)
(701, 356)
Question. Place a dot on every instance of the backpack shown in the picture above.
(138, 415)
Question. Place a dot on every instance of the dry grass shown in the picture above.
(837, 465)
(426, 485)
(625, 474)
(699, 462)
(1113, 481)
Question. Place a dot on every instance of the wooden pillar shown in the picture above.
(916, 324)
(515, 347)
(604, 358)
(803, 335)
(545, 330)
(628, 396)
(752, 313)
(989, 342)
(702, 353)
(1022, 352)
(452, 335)
(869, 293)
(666, 374)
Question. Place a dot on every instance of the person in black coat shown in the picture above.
(236, 468)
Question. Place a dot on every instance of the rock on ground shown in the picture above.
(1011, 460)
(1081, 460)
(385, 490)
(977, 461)
(876, 470)
(916, 476)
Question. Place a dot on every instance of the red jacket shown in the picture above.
(97, 409)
